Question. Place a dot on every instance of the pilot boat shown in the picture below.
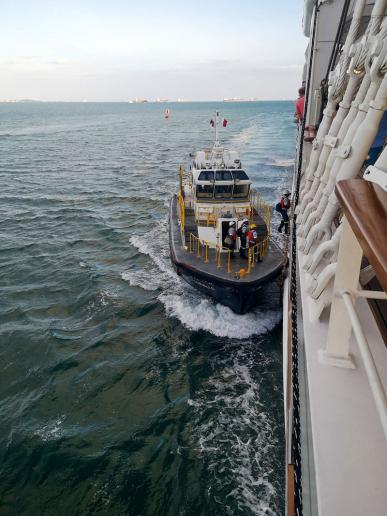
(216, 194)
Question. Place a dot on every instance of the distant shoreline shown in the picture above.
(139, 103)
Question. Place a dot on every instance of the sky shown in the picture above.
(116, 50)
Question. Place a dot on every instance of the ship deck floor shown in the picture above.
(343, 433)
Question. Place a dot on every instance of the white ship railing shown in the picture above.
(365, 352)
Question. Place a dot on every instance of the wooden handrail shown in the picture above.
(365, 206)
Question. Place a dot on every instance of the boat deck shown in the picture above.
(263, 271)
(191, 226)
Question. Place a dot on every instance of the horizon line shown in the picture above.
(84, 101)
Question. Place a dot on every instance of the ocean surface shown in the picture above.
(122, 389)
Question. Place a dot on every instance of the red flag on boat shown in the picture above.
(225, 122)
(212, 123)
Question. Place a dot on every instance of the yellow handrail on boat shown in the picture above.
(257, 205)
(219, 250)
(208, 215)
(259, 249)
(181, 203)
(200, 248)
(181, 180)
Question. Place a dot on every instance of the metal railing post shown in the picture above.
(347, 277)
(368, 361)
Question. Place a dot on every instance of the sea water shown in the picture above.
(122, 389)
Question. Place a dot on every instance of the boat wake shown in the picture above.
(235, 437)
(282, 163)
(194, 310)
(243, 137)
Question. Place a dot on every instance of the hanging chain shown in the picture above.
(296, 426)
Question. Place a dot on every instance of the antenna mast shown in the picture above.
(216, 143)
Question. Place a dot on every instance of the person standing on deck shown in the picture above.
(282, 207)
(252, 241)
(300, 103)
(242, 234)
(230, 239)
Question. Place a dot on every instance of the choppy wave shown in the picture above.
(242, 425)
(52, 430)
(122, 386)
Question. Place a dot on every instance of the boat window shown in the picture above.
(222, 191)
(223, 175)
(206, 175)
(240, 174)
(241, 190)
(204, 191)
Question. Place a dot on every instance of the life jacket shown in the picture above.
(242, 233)
(232, 233)
(285, 203)
(252, 236)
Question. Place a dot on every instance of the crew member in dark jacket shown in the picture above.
(284, 207)
(242, 234)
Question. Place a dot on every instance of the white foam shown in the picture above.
(141, 279)
(243, 137)
(194, 310)
(238, 436)
(53, 430)
(283, 162)
(203, 314)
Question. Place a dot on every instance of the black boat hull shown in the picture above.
(240, 300)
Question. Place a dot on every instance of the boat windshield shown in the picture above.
(241, 190)
(223, 175)
(204, 191)
(240, 174)
(223, 191)
(206, 175)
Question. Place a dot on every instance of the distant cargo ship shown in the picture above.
(138, 101)
(236, 99)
